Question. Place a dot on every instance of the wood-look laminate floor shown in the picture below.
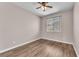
(42, 48)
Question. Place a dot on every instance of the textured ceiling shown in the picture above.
(57, 7)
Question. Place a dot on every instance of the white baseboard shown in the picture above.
(18, 45)
(75, 51)
(55, 40)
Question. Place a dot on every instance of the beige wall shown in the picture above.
(17, 26)
(66, 31)
(76, 27)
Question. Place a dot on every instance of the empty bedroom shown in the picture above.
(39, 29)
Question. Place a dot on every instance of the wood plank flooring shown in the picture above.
(42, 48)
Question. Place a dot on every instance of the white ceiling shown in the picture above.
(57, 7)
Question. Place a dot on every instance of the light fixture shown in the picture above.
(44, 6)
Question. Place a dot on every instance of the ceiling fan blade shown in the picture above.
(49, 6)
(38, 7)
(39, 2)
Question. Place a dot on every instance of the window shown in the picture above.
(54, 24)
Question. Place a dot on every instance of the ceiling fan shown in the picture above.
(43, 5)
